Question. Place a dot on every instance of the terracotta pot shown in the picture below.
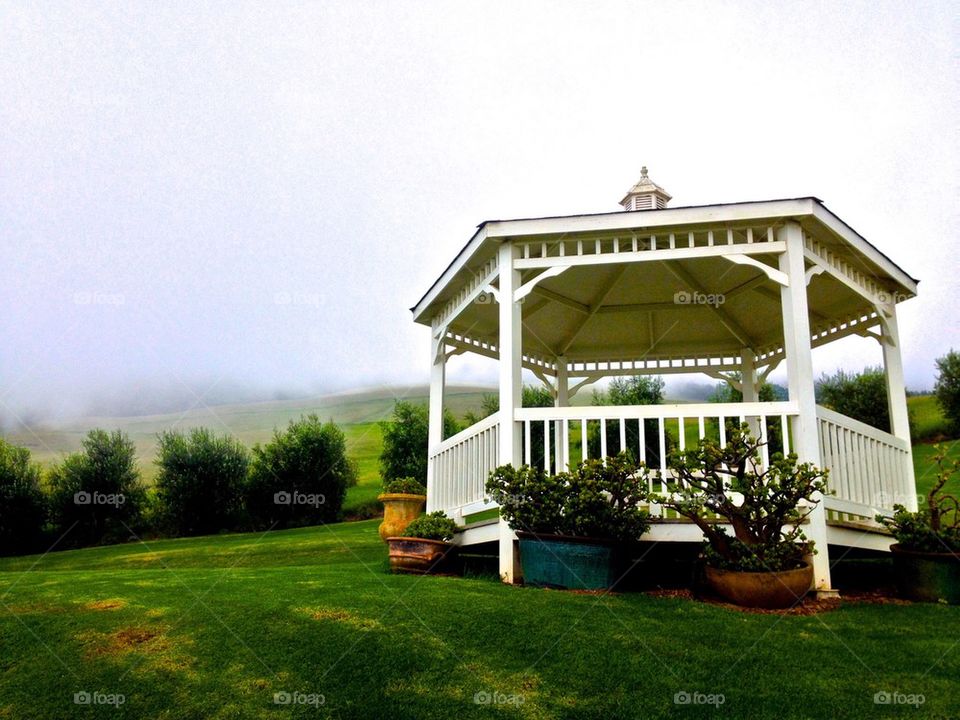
(761, 589)
(926, 577)
(399, 510)
(416, 555)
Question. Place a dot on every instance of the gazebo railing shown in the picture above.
(870, 470)
(460, 467)
(557, 438)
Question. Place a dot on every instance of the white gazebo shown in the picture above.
(713, 289)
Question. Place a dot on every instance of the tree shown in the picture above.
(724, 392)
(301, 476)
(201, 480)
(405, 441)
(635, 390)
(947, 388)
(861, 396)
(96, 494)
(23, 506)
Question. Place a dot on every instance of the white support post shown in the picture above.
(796, 345)
(897, 401)
(561, 399)
(750, 386)
(510, 393)
(438, 364)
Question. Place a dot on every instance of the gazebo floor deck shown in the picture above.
(842, 533)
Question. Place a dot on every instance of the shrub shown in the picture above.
(23, 506)
(766, 524)
(435, 526)
(96, 494)
(405, 441)
(934, 528)
(200, 482)
(947, 388)
(406, 486)
(598, 499)
(861, 396)
(301, 476)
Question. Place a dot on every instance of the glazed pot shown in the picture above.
(761, 589)
(926, 577)
(399, 510)
(567, 562)
(417, 555)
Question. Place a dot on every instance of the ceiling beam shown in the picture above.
(595, 306)
(725, 318)
(562, 299)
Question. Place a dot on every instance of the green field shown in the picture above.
(214, 627)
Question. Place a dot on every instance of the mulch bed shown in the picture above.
(808, 606)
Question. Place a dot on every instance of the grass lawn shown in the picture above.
(213, 627)
(928, 419)
(925, 470)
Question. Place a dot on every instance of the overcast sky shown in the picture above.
(255, 194)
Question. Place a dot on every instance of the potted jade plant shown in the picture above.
(424, 545)
(763, 563)
(926, 556)
(403, 500)
(571, 524)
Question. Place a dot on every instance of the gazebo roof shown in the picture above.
(630, 280)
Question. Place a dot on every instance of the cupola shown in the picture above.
(645, 195)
